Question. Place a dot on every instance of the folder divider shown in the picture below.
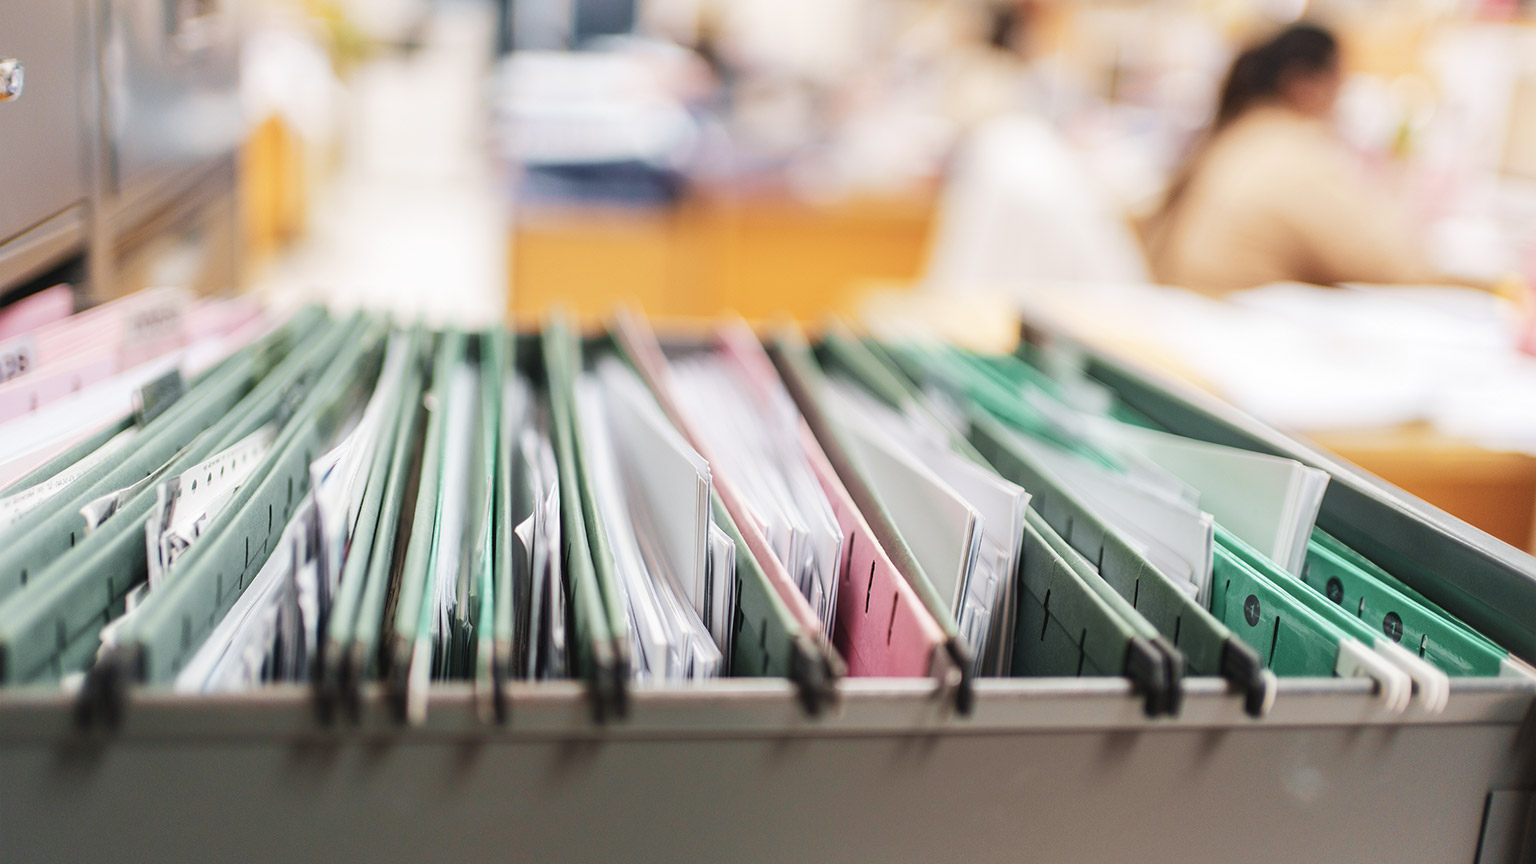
(78, 589)
(496, 352)
(769, 641)
(482, 593)
(890, 558)
(1065, 628)
(1209, 647)
(596, 654)
(363, 656)
(820, 663)
(330, 676)
(1293, 640)
(1432, 685)
(1161, 669)
(199, 589)
(602, 552)
(411, 604)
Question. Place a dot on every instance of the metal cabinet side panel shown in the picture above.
(42, 166)
(1054, 770)
(1256, 794)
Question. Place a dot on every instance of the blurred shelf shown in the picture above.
(761, 255)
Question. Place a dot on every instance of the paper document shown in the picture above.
(668, 639)
(756, 443)
(1268, 502)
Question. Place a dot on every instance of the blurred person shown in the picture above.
(1273, 194)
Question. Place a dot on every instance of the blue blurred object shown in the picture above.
(592, 127)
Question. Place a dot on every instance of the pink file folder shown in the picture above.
(122, 341)
(883, 628)
(142, 316)
(30, 313)
(111, 399)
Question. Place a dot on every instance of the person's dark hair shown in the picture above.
(1259, 72)
(1257, 76)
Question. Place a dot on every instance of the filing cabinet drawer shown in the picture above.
(42, 169)
(172, 103)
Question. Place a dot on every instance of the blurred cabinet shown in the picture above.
(43, 161)
(117, 153)
(171, 123)
(758, 255)
(171, 100)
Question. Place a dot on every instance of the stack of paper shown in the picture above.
(1269, 502)
(964, 522)
(660, 561)
(756, 441)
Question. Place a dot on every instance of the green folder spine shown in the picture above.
(596, 659)
(767, 637)
(411, 606)
(1291, 640)
(488, 690)
(331, 676)
(364, 655)
(77, 591)
(1357, 586)
(200, 588)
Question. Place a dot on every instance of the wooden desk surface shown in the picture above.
(758, 254)
(1494, 490)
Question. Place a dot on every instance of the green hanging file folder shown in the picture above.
(342, 663)
(1369, 593)
(51, 626)
(597, 654)
(1293, 640)
(1431, 684)
(199, 588)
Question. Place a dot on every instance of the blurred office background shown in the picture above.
(916, 165)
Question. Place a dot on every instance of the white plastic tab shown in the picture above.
(1431, 684)
(1392, 684)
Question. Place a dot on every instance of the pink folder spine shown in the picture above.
(883, 629)
(38, 310)
(96, 363)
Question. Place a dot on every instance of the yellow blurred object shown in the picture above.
(760, 257)
(981, 321)
(273, 200)
(349, 45)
